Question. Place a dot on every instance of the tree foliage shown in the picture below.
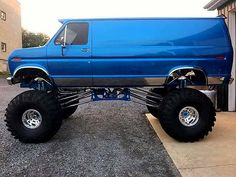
(30, 39)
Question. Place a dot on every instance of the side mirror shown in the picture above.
(63, 46)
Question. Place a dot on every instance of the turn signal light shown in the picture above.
(16, 59)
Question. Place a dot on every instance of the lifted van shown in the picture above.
(158, 62)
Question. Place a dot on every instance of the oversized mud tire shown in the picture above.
(161, 91)
(33, 116)
(67, 112)
(187, 115)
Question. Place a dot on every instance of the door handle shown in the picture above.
(85, 50)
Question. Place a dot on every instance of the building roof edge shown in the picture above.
(214, 4)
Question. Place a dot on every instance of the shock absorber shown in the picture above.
(182, 82)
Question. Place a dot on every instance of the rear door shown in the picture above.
(69, 56)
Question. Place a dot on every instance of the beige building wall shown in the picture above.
(10, 30)
(229, 11)
(226, 9)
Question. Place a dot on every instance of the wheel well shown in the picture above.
(28, 74)
(193, 76)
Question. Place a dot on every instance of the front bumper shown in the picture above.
(10, 81)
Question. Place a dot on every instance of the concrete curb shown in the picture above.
(213, 156)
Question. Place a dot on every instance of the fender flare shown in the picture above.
(22, 67)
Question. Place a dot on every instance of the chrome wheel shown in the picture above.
(189, 116)
(31, 119)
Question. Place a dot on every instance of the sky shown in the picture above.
(43, 15)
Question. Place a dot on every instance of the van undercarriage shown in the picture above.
(46, 103)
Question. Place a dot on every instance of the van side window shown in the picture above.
(76, 34)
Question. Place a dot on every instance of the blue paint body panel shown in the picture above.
(135, 48)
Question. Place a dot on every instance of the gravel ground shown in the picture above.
(100, 139)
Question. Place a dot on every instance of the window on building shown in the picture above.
(3, 46)
(3, 15)
(76, 34)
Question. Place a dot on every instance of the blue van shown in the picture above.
(118, 59)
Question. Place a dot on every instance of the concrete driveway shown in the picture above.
(100, 139)
(210, 157)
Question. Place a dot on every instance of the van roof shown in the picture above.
(63, 21)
